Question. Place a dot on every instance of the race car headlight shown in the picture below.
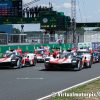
(13, 60)
(46, 63)
(44, 55)
(74, 61)
(47, 59)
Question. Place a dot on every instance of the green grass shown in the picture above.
(92, 87)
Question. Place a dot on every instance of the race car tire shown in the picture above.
(82, 66)
(34, 64)
(90, 64)
(79, 66)
(19, 64)
(47, 68)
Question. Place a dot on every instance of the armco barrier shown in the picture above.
(30, 48)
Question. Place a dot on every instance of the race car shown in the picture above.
(48, 58)
(96, 57)
(41, 54)
(87, 58)
(29, 59)
(65, 61)
(11, 60)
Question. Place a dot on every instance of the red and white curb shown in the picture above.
(77, 85)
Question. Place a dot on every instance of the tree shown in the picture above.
(96, 29)
(16, 31)
(80, 30)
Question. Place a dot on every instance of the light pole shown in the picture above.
(73, 20)
(74, 30)
(22, 30)
(7, 38)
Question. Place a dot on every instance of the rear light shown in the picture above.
(26, 59)
(32, 60)
(23, 61)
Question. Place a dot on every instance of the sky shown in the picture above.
(86, 11)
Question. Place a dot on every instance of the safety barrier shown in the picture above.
(31, 48)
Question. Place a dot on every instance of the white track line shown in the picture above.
(27, 78)
(55, 93)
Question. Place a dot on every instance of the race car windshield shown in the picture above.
(69, 55)
(7, 55)
(65, 55)
(40, 52)
(95, 54)
(81, 53)
(62, 56)
(10, 54)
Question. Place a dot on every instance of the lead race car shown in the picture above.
(64, 61)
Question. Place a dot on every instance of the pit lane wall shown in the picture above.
(31, 48)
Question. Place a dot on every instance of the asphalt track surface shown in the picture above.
(31, 83)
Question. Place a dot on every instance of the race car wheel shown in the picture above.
(89, 64)
(34, 64)
(19, 64)
(82, 66)
(79, 66)
(30, 63)
(47, 68)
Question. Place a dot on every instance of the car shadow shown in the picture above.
(59, 70)
(6, 68)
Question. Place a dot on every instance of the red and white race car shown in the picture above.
(64, 61)
(50, 57)
(29, 59)
(87, 60)
(86, 56)
(11, 60)
(41, 54)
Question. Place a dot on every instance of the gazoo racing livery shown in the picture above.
(48, 58)
(39, 54)
(65, 61)
(11, 60)
(29, 59)
(86, 57)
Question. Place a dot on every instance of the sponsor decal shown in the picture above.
(3, 59)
